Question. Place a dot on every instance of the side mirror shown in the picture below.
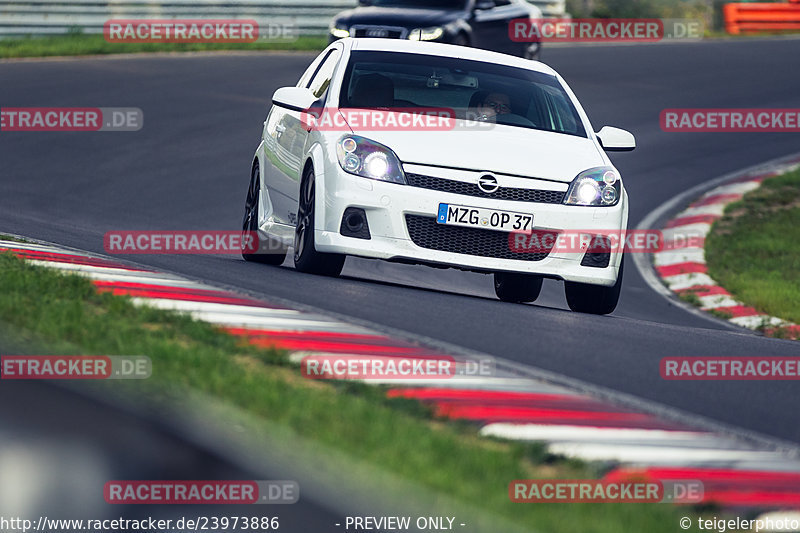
(616, 140)
(294, 98)
(483, 5)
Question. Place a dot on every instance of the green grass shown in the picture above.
(754, 249)
(691, 298)
(719, 313)
(66, 315)
(78, 44)
(4, 237)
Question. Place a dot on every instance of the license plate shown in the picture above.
(478, 217)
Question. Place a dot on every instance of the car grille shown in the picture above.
(472, 189)
(379, 32)
(425, 232)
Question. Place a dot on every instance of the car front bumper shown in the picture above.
(386, 206)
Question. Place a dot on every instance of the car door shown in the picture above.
(285, 138)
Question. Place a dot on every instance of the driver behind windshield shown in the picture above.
(494, 104)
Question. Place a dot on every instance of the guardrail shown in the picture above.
(41, 17)
(759, 17)
(310, 17)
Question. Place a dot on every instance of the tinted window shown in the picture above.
(312, 68)
(499, 93)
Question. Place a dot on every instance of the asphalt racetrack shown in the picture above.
(188, 168)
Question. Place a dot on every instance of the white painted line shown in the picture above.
(735, 188)
(687, 281)
(275, 323)
(756, 321)
(126, 276)
(213, 307)
(683, 255)
(252, 317)
(559, 433)
(39, 248)
(786, 167)
(146, 278)
(84, 268)
(686, 233)
(660, 455)
(710, 209)
(497, 384)
(716, 301)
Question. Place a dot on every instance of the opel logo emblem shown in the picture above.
(488, 184)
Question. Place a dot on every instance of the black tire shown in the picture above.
(594, 299)
(273, 255)
(306, 257)
(517, 288)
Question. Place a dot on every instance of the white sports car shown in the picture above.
(346, 166)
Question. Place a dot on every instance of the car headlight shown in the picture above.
(339, 30)
(599, 186)
(426, 34)
(369, 159)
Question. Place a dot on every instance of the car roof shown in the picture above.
(444, 50)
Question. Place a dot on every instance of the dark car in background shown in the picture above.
(478, 23)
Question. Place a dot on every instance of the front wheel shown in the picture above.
(274, 257)
(517, 288)
(594, 299)
(306, 257)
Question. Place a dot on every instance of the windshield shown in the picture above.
(430, 4)
(472, 89)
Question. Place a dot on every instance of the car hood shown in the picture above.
(400, 17)
(503, 150)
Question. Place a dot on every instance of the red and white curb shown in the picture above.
(682, 264)
(505, 405)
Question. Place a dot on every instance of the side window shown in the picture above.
(501, 3)
(312, 69)
(322, 79)
(561, 116)
(307, 75)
